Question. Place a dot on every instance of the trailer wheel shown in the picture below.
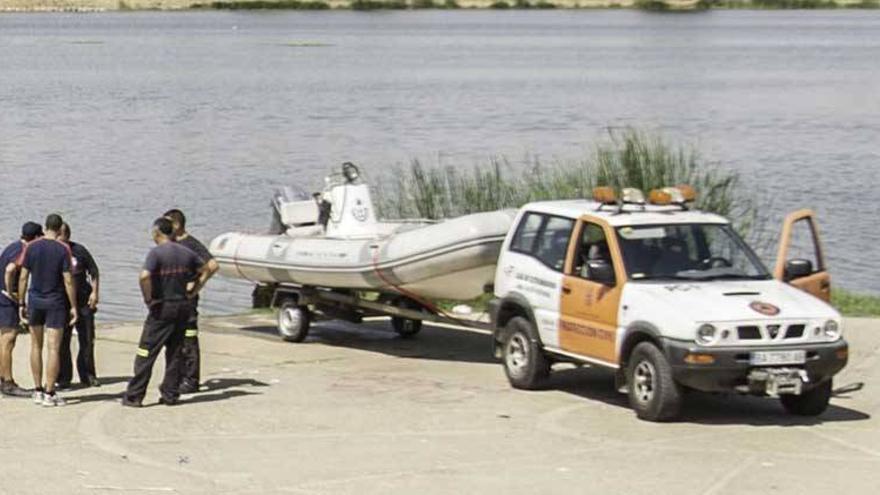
(293, 321)
(813, 402)
(406, 327)
(525, 364)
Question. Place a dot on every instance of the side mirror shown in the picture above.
(797, 268)
(601, 271)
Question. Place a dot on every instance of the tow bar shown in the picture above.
(777, 381)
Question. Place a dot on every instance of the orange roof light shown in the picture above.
(660, 197)
(604, 195)
(687, 192)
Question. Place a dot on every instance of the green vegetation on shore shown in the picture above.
(628, 158)
(647, 5)
(854, 304)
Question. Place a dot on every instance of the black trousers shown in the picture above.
(164, 328)
(85, 358)
(191, 355)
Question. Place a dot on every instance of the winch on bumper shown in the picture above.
(731, 369)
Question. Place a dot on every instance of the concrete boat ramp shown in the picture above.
(357, 410)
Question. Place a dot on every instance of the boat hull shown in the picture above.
(454, 259)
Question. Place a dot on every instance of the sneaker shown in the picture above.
(53, 400)
(130, 403)
(93, 382)
(37, 395)
(168, 402)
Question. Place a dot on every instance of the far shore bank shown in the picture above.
(369, 5)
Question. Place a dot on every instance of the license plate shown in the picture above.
(770, 358)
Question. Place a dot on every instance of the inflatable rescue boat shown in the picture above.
(334, 240)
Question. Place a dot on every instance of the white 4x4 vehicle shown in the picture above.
(669, 297)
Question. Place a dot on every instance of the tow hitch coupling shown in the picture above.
(778, 381)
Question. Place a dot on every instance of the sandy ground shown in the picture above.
(357, 410)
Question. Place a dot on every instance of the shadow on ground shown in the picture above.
(433, 342)
(212, 390)
(597, 384)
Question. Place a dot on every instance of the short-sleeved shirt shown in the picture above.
(171, 267)
(10, 255)
(197, 247)
(83, 267)
(47, 260)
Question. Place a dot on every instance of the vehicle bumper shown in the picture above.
(729, 368)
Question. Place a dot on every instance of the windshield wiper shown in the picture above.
(736, 276)
(664, 277)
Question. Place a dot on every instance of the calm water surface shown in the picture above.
(113, 118)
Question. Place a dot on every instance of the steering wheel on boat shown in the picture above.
(350, 172)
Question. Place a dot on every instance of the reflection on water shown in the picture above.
(111, 119)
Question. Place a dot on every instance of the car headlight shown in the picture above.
(832, 329)
(706, 334)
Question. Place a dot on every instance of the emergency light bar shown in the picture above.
(679, 195)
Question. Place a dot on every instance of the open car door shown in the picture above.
(800, 260)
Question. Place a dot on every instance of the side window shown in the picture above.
(526, 233)
(553, 239)
(802, 244)
(592, 246)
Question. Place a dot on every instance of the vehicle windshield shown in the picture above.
(687, 252)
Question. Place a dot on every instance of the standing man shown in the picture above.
(85, 279)
(9, 317)
(191, 354)
(171, 278)
(47, 263)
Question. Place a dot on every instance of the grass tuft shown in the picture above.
(853, 304)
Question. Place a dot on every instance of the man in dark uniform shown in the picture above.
(191, 354)
(9, 317)
(171, 278)
(46, 266)
(86, 279)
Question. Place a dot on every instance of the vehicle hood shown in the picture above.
(720, 301)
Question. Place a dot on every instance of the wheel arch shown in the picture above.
(636, 333)
(505, 309)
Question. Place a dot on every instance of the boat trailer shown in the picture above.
(298, 306)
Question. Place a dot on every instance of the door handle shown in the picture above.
(566, 289)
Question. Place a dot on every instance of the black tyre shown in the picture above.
(525, 364)
(653, 393)
(813, 402)
(293, 321)
(406, 327)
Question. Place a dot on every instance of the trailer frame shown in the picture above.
(297, 306)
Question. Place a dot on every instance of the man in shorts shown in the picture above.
(191, 376)
(45, 271)
(10, 323)
(171, 278)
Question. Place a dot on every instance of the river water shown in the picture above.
(113, 118)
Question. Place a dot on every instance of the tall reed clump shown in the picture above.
(628, 158)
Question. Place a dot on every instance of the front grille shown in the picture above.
(795, 331)
(749, 332)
